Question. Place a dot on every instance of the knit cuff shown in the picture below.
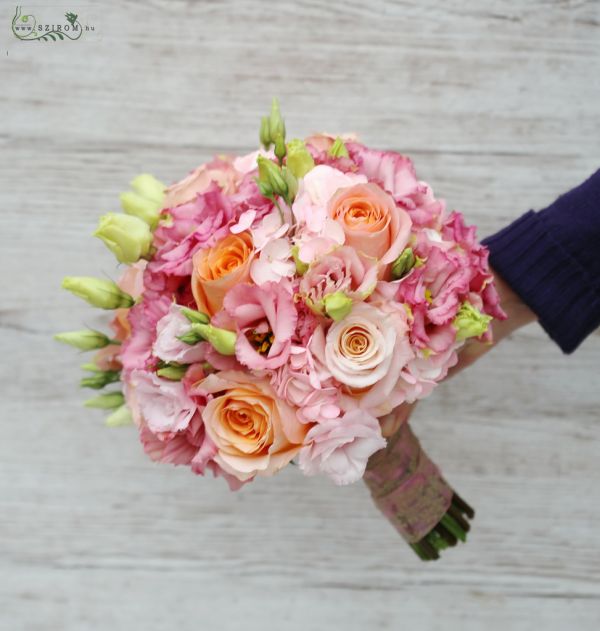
(549, 280)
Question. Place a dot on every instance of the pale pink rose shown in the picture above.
(342, 270)
(163, 404)
(359, 350)
(367, 352)
(265, 318)
(315, 190)
(303, 385)
(255, 432)
(394, 172)
(341, 447)
(219, 171)
(274, 262)
(167, 346)
(371, 221)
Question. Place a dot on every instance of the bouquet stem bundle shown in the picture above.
(409, 489)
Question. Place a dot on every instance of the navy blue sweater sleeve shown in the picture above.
(551, 259)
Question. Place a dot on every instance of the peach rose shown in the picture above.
(216, 270)
(372, 222)
(255, 432)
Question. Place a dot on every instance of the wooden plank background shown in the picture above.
(498, 104)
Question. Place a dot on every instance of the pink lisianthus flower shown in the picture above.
(423, 208)
(341, 447)
(302, 385)
(394, 172)
(220, 171)
(163, 404)
(342, 270)
(197, 224)
(168, 347)
(136, 350)
(265, 318)
(422, 373)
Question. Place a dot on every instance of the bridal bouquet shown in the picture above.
(277, 307)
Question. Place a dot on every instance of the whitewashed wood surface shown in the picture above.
(498, 103)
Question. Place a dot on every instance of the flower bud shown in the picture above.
(280, 148)
(85, 340)
(270, 173)
(141, 207)
(338, 149)
(265, 133)
(91, 367)
(403, 264)
(173, 372)
(337, 305)
(108, 401)
(120, 417)
(104, 294)
(470, 322)
(276, 123)
(195, 316)
(221, 340)
(292, 184)
(98, 380)
(129, 238)
(299, 159)
(149, 187)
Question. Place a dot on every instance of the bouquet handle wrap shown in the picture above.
(407, 487)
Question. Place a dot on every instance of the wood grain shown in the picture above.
(498, 105)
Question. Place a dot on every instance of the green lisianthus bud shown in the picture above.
(337, 306)
(98, 380)
(470, 322)
(108, 401)
(129, 238)
(276, 123)
(195, 316)
(120, 417)
(149, 187)
(270, 174)
(301, 266)
(84, 340)
(299, 159)
(173, 372)
(338, 149)
(280, 148)
(265, 133)
(101, 293)
(292, 184)
(91, 367)
(141, 207)
(403, 264)
(222, 340)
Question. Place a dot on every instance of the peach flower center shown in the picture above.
(225, 257)
(244, 423)
(355, 342)
(362, 213)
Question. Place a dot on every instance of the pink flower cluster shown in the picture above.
(343, 301)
